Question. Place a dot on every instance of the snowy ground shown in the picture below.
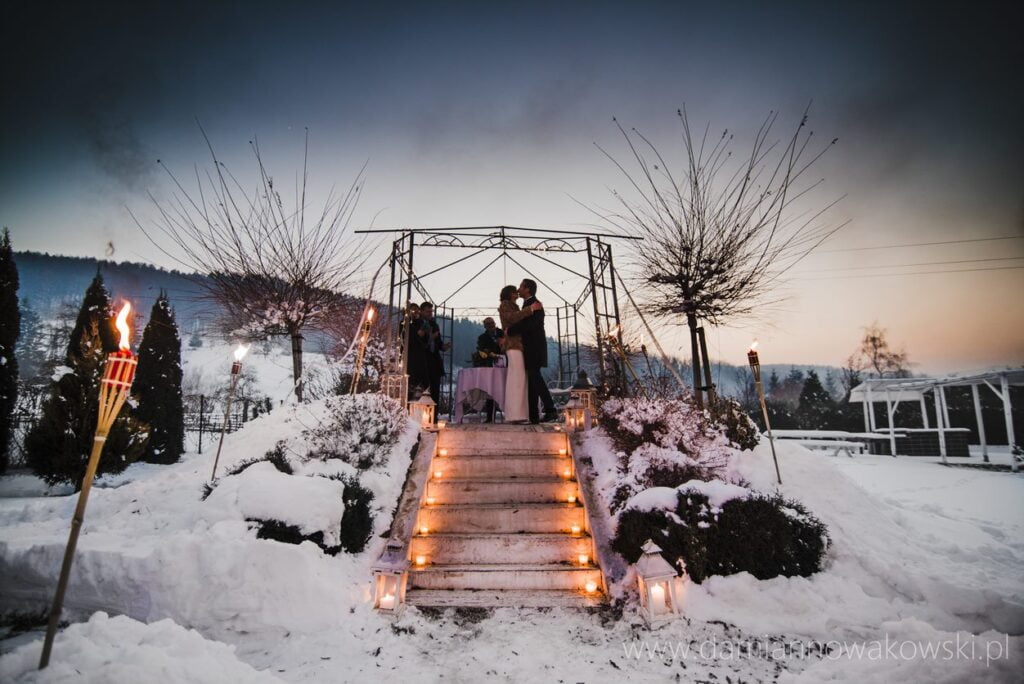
(923, 557)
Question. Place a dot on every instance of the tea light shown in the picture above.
(443, 452)
(571, 498)
(567, 473)
(591, 586)
(424, 529)
(430, 500)
(576, 529)
(438, 474)
(421, 560)
(387, 602)
(563, 452)
(584, 559)
(441, 424)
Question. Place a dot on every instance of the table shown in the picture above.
(488, 380)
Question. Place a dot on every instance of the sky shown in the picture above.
(472, 114)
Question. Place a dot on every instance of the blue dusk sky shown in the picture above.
(492, 114)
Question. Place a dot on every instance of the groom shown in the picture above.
(535, 355)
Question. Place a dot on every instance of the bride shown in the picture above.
(515, 379)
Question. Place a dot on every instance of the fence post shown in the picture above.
(202, 412)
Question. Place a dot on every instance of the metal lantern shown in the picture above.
(422, 410)
(389, 589)
(577, 416)
(583, 392)
(395, 386)
(659, 589)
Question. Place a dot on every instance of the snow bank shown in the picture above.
(261, 492)
(665, 498)
(120, 649)
(150, 549)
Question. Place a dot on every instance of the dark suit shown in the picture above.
(535, 357)
(434, 360)
(489, 343)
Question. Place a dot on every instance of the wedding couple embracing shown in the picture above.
(526, 348)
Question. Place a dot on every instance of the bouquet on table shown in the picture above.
(485, 359)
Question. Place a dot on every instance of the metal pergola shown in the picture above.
(548, 246)
(892, 391)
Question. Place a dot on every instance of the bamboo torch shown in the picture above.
(364, 338)
(755, 366)
(118, 374)
(236, 372)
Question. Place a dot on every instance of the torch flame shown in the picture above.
(614, 331)
(753, 346)
(122, 327)
(369, 314)
(240, 351)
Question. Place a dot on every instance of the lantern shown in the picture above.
(422, 410)
(395, 386)
(659, 589)
(577, 416)
(583, 392)
(389, 590)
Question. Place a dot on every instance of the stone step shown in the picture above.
(512, 465)
(507, 518)
(466, 548)
(519, 576)
(503, 441)
(501, 490)
(509, 598)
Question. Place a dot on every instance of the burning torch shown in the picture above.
(118, 374)
(236, 372)
(755, 366)
(364, 338)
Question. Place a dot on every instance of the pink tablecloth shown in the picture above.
(489, 380)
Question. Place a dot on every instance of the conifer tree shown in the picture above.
(816, 408)
(157, 385)
(10, 328)
(58, 446)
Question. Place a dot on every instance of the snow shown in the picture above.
(261, 492)
(921, 554)
(119, 649)
(717, 492)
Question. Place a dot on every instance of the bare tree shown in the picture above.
(875, 356)
(719, 235)
(274, 270)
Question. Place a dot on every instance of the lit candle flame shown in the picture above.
(241, 350)
(122, 327)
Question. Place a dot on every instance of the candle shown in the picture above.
(562, 452)
(443, 452)
(591, 586)
(387, 602)
(437, 474)
(571, 498)
(424, 529)
(567, 473)
(575, 529)
(430, 500)
(441, 424)
(584, 559)
(657, 599)
(421, 560)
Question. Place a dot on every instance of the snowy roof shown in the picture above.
(912, 389)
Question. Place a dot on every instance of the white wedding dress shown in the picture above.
(515, 387)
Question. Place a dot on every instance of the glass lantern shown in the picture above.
(583, 392)
(389, 590)
(659, 587)
(395, 386)
(422, 410)
(577, 416)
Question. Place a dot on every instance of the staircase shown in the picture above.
(502, 523)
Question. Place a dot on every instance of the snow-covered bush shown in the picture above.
(717, 528)
(734, 422)
(359, 430)
(662, 443)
